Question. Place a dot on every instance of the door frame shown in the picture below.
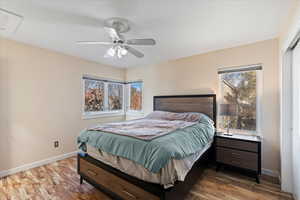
(286, 125)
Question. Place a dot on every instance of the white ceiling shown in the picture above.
(180, 27)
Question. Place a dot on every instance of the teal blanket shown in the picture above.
(156, 153)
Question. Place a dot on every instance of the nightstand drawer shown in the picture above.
(242, 159)
(237, 144)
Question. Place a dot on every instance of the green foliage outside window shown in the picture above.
(239, 88)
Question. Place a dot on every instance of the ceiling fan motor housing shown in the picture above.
(119, 41)
(119, 24)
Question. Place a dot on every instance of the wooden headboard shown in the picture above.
(205, 104)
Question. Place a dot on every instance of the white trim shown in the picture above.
(241, 68)
(241, 132)
(103, 114)
(136, 114)
(132, 112)
(86, 76)
(36, 164)
(259, 94)
(105, 97)
(271, 173)
(219, 101)
(286, 136)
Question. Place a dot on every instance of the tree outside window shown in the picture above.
(115, 96)
(135, 96)
(240, 89)
(93, 96)
(102, 97)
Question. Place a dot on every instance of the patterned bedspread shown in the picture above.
(154, 125)
(145, 129)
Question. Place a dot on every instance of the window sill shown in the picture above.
(135, 113)
(240, 132)
(105, 114)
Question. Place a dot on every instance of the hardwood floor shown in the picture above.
(59, 181)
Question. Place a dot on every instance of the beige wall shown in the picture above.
(40, 102)
(290, 27)
(198, 74)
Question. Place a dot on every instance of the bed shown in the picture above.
(140, 176)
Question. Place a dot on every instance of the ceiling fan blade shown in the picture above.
(113, 34)
(134, 51)
(94, 42)
(141, 42)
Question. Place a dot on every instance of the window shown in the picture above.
(93, 96)
(115, 96)
(135, 96)
(102, 97)
(105, 97)
(240, 88)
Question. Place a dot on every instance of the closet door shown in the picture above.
(296, 119)
(296, 89)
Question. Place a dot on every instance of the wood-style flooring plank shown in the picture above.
(59, 181)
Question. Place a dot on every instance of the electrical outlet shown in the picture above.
(56, 144)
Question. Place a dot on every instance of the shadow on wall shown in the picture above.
(5, 110)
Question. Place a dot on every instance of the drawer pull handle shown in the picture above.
(90, 172)
(129, 194)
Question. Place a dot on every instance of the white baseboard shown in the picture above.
(269, 172)
(36, 164)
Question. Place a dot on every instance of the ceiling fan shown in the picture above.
(119, 45)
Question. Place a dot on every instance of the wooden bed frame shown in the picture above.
(120, 185)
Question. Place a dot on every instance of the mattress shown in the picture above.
(167, 176)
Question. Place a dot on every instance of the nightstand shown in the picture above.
(239, 151)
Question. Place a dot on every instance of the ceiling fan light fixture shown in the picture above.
(123, 51)
(111, 52)
(119, 55)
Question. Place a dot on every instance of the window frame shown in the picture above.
(259, 89)
(128, 98)
(106, 112)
